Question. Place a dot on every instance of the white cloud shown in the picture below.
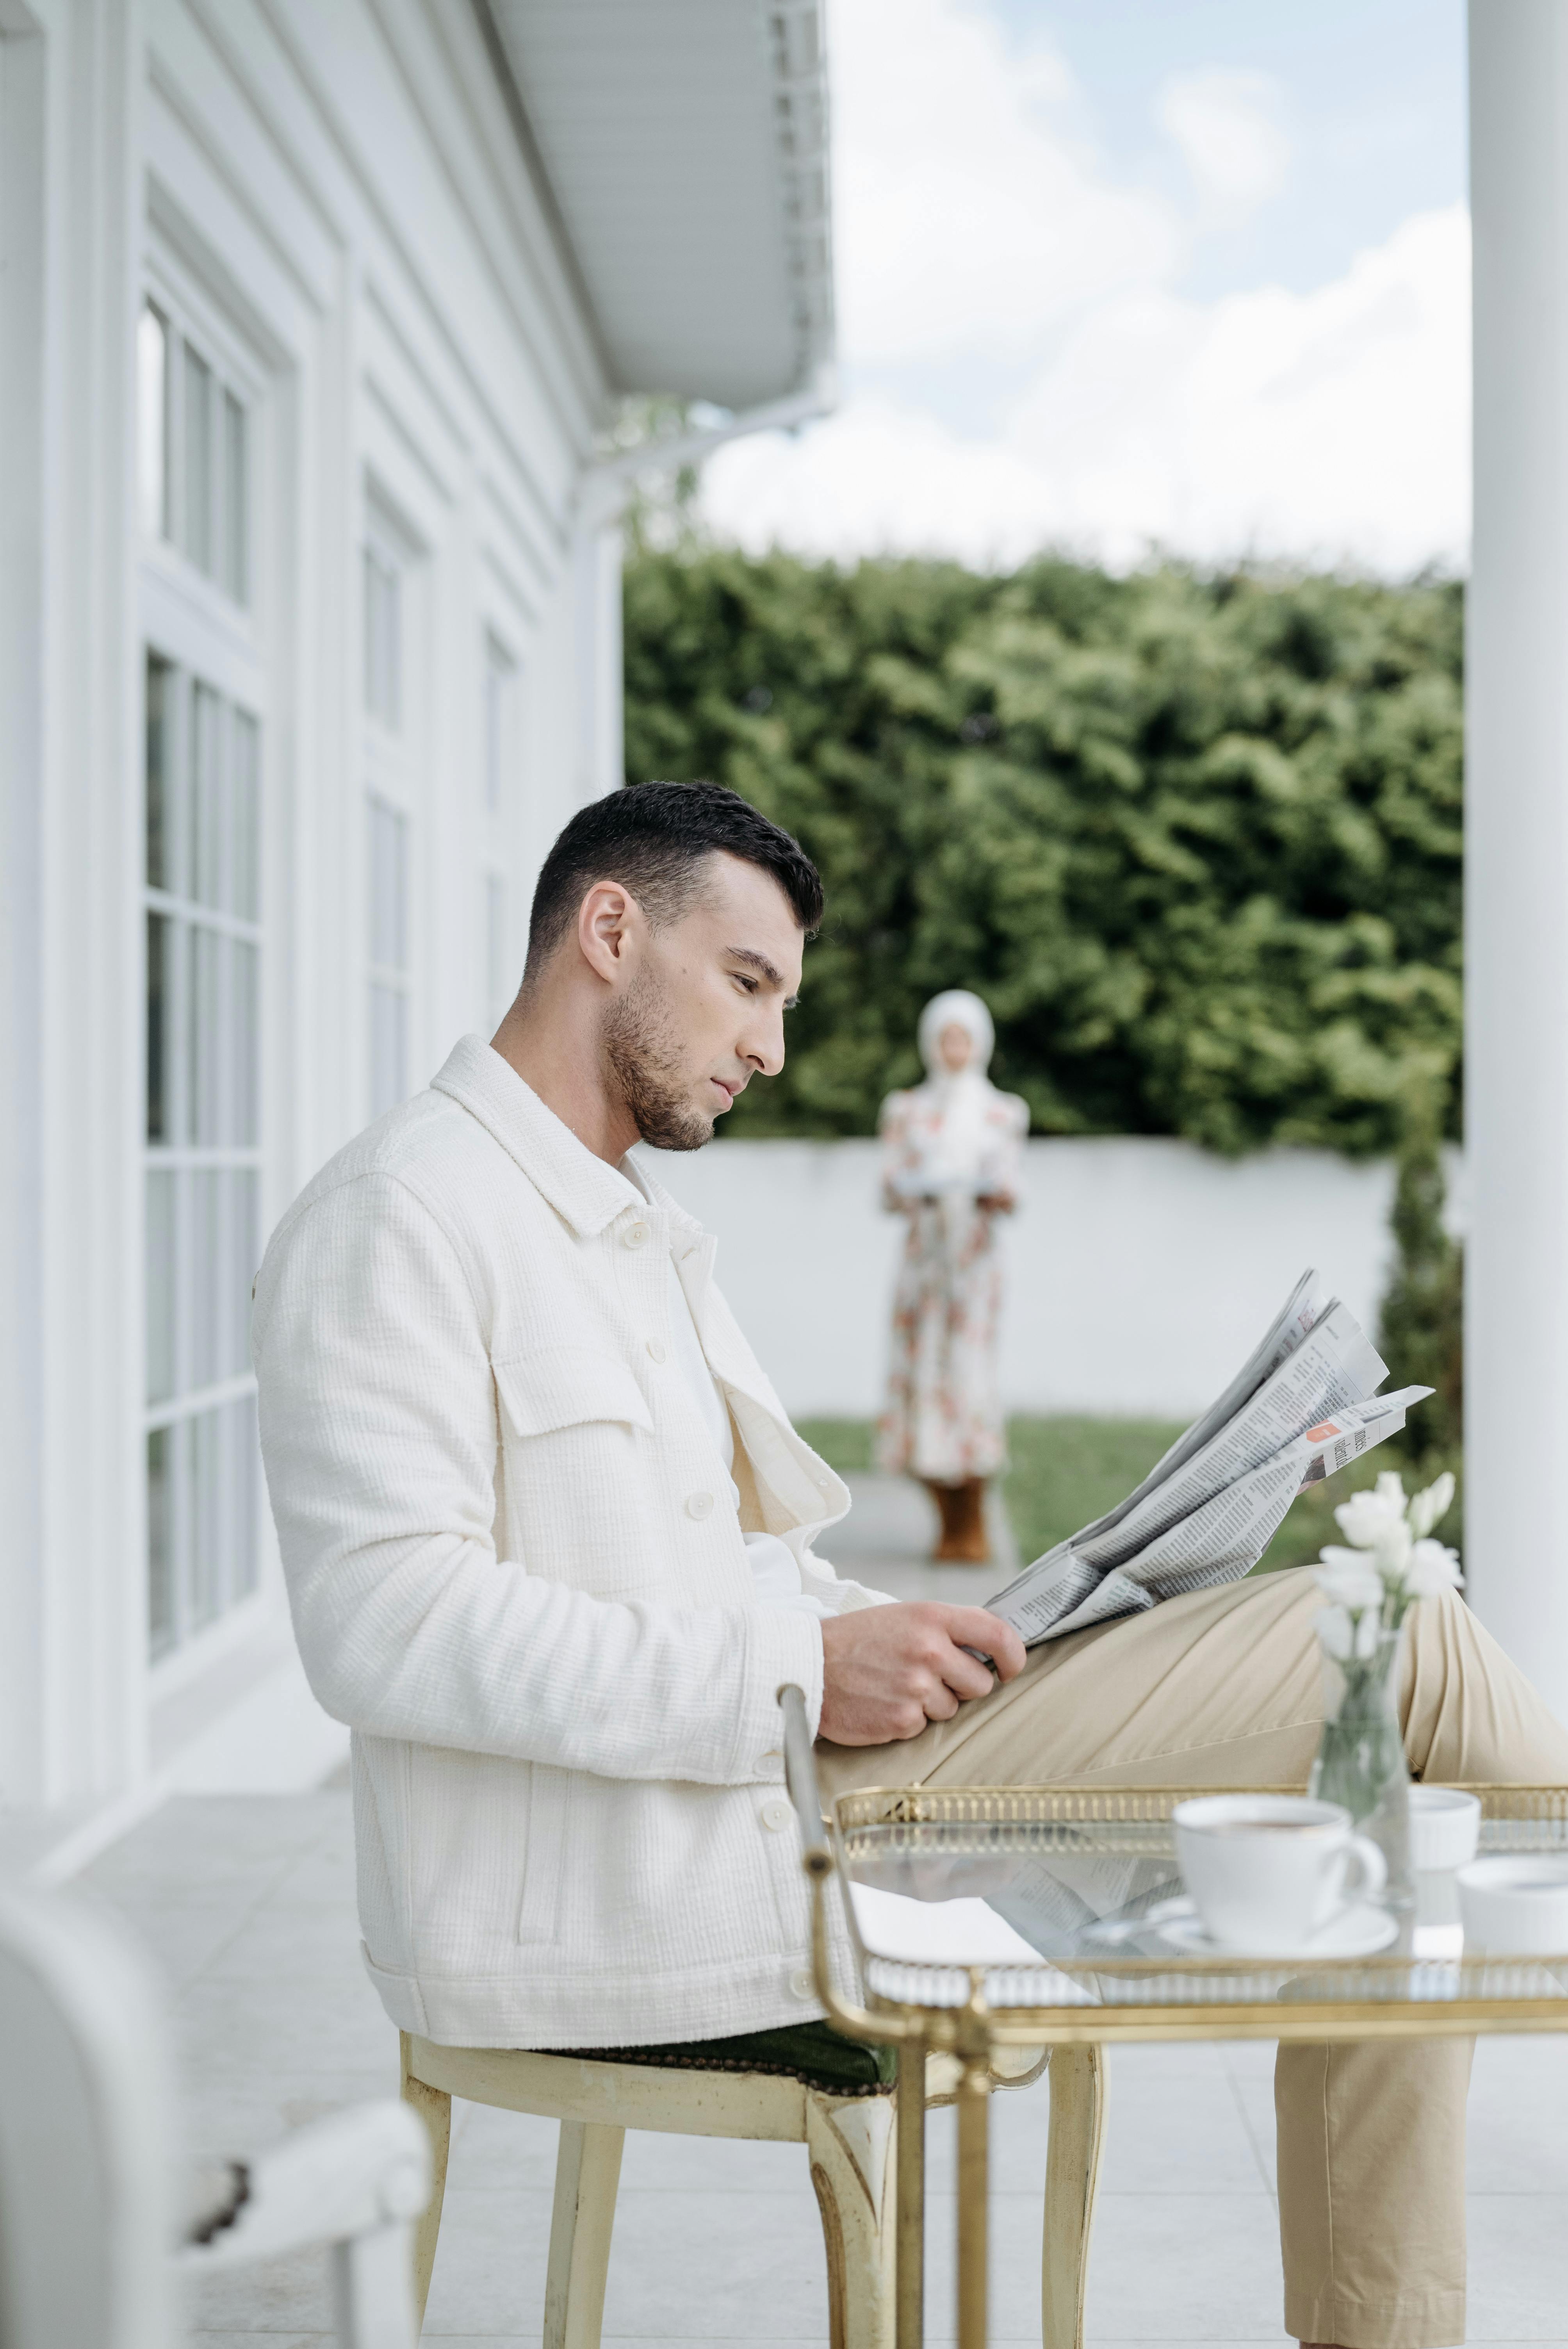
(1226, 127)
(974, 219)
(1330, 427)
(966, 215)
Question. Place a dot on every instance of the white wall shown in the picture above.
(1138, 1272)
(342, 191)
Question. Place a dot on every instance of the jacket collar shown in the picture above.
(584, 1192)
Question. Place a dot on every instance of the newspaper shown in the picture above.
(1304, 1404)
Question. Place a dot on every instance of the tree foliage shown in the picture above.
(1195, 840)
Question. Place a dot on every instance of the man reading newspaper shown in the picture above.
(550, 1540)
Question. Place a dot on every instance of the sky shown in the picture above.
(1124, 277)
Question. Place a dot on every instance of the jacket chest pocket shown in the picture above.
(574, 1428)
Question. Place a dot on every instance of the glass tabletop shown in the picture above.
(1069, 1897)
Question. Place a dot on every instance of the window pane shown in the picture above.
(160, 1626)
(160, 1205)
(208, 1267)
(246, 1462)
(208, 1546)
(159, 975)
(499, 674)
(245, 1017)
(160, 698)
(208, 975)
(246, 1239)
(207, 829)
(383, 639)
(197, 482)
(236, 502)
(496, 972)
(153, 422)
(388, 1049)
(388, 888)
(245, 847)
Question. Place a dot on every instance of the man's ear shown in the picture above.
(609, 931)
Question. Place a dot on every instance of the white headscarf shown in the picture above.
(954, 1159)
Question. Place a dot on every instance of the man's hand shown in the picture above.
(887, 1671)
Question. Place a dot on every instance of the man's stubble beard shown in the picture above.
(643, 1066)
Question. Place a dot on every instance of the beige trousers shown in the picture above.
(1223, 1688)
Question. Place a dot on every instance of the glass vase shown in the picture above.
(1360, 1761)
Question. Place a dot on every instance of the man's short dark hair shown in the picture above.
(655, 837)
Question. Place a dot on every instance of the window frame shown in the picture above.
(391, 761)
(188, 621)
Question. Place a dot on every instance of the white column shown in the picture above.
(1516, 1121)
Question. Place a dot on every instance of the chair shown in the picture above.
(86, 2212)
(850, 2143)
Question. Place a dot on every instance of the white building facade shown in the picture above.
(313, 317)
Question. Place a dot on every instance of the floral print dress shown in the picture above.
(944, 1416)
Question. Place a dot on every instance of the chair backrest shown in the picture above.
(85, 2135)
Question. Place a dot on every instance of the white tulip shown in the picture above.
(1348, 1578)
(1390, 1490)
(1367, 1519)
(1432, 1567)
(1346, 1637)
(1429, 1508)
(1336, 1632)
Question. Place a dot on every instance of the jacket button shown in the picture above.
(634, 1236)
(801, 1984)
(657, 1350)
(699, 1505)
(776, 1814)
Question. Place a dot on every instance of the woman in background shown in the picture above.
(951, 1160)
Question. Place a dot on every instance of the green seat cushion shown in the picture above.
(813, 2052)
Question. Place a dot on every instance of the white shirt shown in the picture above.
(772, 1564)
(777, 1575)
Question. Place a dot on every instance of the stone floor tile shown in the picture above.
(1517, 2137)
(299, 1943)
(1518, 2266)
(493, 2150)
(291, 2296)
(712, 2267)
(194, 1843)
(1185, 2268)
(489, 2276)
(288, 2024)
(1252, 2093)
(180, 1936)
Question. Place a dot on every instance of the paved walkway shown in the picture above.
(247, 1904)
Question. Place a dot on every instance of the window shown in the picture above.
(387, 575)
(389, 956)
(383, 638)
(501, 693)
(193, 454)
(201, 899)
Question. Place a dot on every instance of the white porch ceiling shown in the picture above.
(684, 142)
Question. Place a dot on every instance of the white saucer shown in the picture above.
(1355, 1933)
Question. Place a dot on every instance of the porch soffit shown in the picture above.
(684, 142)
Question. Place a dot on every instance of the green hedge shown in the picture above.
(1196, 840)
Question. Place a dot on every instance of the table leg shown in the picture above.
(973, 2128)
(911, 2220)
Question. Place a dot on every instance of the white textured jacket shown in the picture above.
(517, 1571)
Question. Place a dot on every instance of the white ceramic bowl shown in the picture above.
(1515, 1908)
(1445, 1825)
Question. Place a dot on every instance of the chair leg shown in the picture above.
(434, 2107)
(587, 2173)
(1078, 2078)
(854, 2169)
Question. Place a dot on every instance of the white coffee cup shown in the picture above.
(1445, 1827)
(1515, 1908)
(1268, 1871)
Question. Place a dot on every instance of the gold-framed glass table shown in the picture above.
(1086, 1878)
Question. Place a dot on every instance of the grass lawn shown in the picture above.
(1066, 1472)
